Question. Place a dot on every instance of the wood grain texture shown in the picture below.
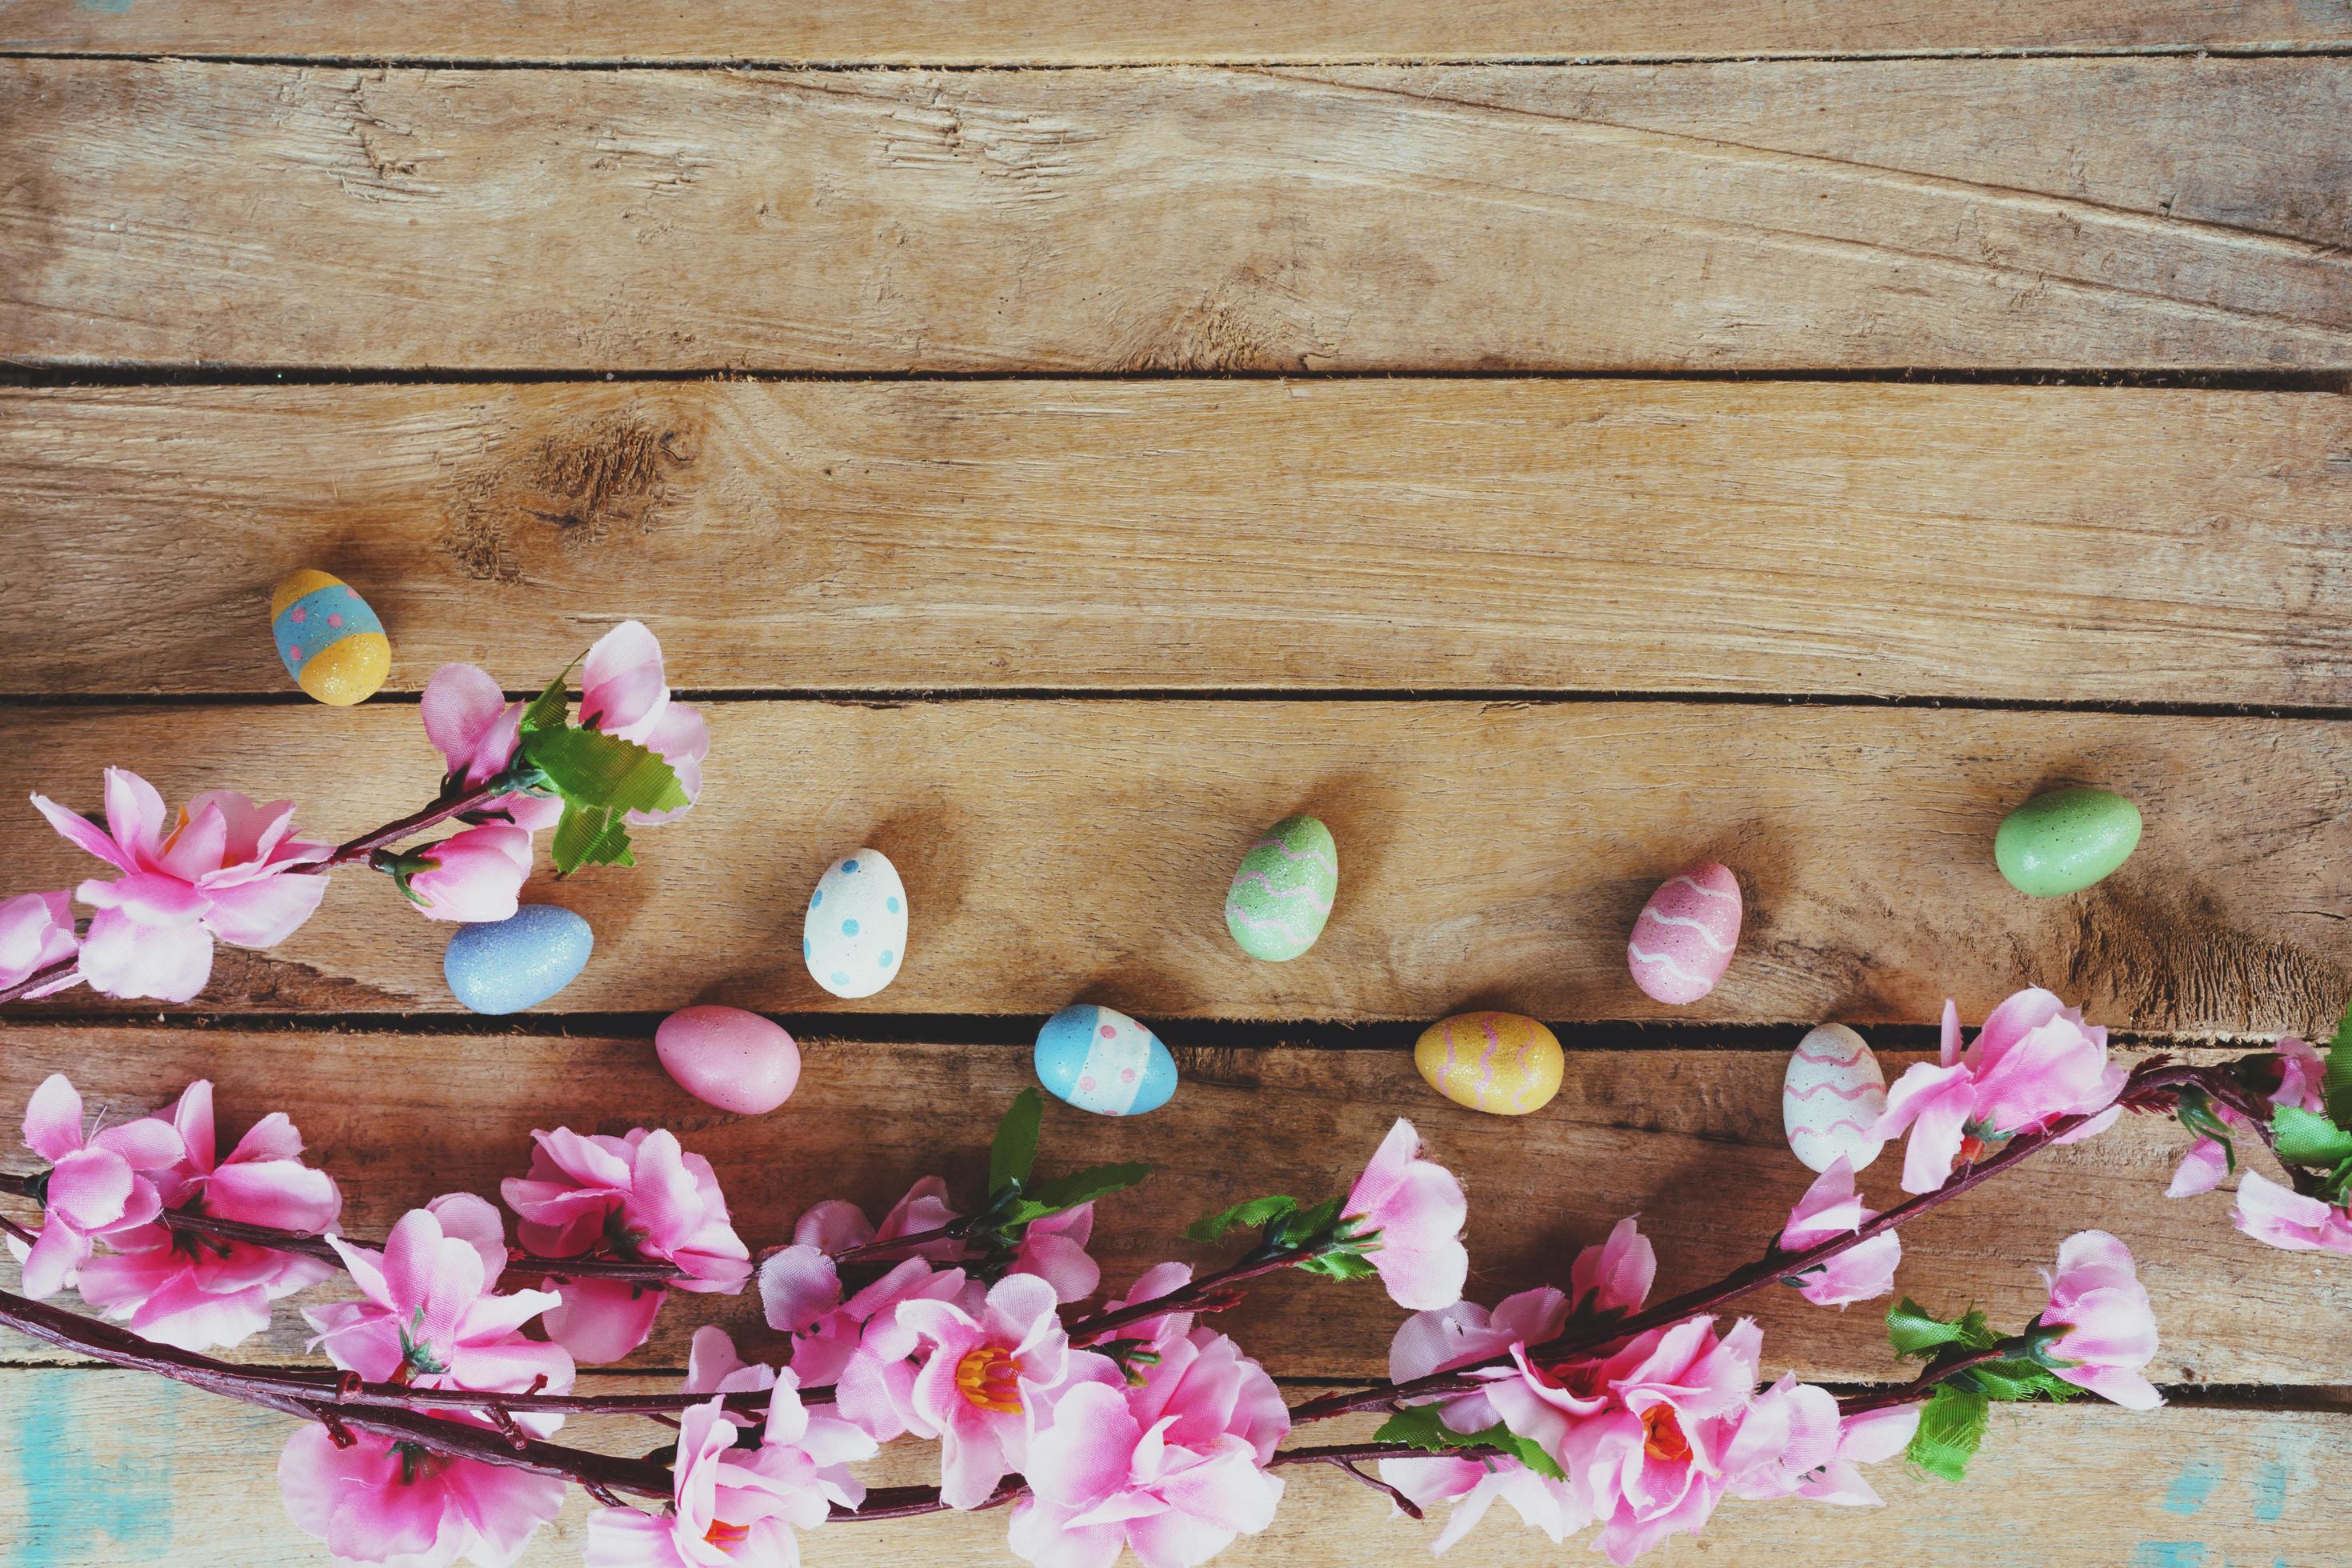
(108, 1466)
(1492, 855)
(1182, 219)
(2007, 542)
(1102, 32)
(1691, 1140)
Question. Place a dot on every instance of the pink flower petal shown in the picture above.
(83, 833)
(264, 913)
(121, 957)
(53, 1119)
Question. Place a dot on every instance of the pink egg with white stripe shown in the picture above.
(1683, 937)
(1834, 1093)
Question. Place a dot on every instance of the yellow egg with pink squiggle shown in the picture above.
(1497, 1062)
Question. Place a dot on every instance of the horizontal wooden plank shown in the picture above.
(2011, 542)
(1491, 854)
(1715, 216)
(1103, 32)
(1689, 1140)
(113, 1467)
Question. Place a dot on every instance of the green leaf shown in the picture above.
(1951, 1429)
(1083, 1187)
(1015, 1148)
(1420, 1427)
(590, 835)
(1251, 1214)
(2007, 1382)
(1308, 1224)
(1339, 1264)
(2306, 1138)
(589, 767)
(1916, 1331)
(2337, 1085)
(548, 709)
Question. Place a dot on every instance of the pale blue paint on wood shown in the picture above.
(2196, 1483)
(2168, 1554)
(2270, 1491)
(79, 1508)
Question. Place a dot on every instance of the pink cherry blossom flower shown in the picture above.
(2110, 1329)
(989, 1379)
(97, 1185)
(2294, 1221)
(623, 692)
(37, 932)
(2033, 1062)
(1831, 1208)
(645, 1198)
(729, 1505)
(198, 1292)
(1870, 1437)
(1172, 1468)
(2301, 1071)
(221, 872)
(478, 732)
(1786, 1434)
(1472, 1486)
(429, 1317)
(799, 1284)
(387, 1501)
(474, 875)
(1644, 1432)
(1615, 1276)
(1411, 1212)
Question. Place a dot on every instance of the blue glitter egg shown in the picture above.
(506, 966)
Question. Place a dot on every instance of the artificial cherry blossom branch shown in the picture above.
(312, 1243)
(1748, 1277)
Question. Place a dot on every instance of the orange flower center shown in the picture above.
(991, 1378)
(1583, 1379)
(1662, 1435)
(723, 1535)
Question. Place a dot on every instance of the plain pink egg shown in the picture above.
(725, 1056)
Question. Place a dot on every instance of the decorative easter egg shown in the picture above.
(505, 966)
(855, 937)
(333, 643)
(1834, 1092)
(1104, 1061)
(2065, 841)
(1491, 1061)
(1682, 937)
(1283, 893)
(725, 1056)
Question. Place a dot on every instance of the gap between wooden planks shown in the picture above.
(109, 1467)
(1691, 1140)
(2043, 544)
(1491, 854)
(2108, 213)
(1093, 32)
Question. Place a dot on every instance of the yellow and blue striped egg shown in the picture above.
(332, 642)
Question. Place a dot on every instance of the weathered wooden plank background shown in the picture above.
(1740, 216)
(1032, 592)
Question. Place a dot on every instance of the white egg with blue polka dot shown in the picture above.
(855, 937)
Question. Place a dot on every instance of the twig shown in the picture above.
(309, 1397)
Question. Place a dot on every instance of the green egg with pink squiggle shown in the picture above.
(1284, 891)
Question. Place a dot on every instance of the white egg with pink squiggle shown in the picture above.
(1834, 1093)
(1684, 938)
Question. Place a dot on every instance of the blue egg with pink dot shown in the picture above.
(853, 936)
(1101, 1060)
